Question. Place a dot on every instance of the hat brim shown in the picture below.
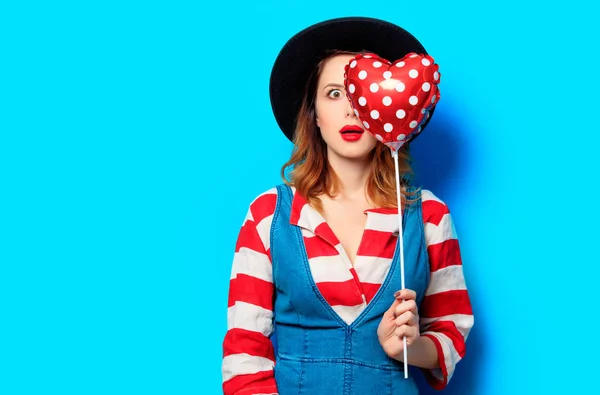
(301, 54)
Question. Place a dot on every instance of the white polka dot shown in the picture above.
(366, 124)
(436, 76)
(426, 86)
(353, 64)
(376, 64)
(362, 75)
(378, 137)
(400, 87)
(419, 130)
(400, 64)
(425, 62)
(413, 100)
(387, 75)
(388, 127)
(412, 74)
(374, 114)
(356, 112)
(400, 114)
(423, 111)
(401, 137)
(374, 87)
(413, 124)
(387, 101)
(433, 98)
(362, 101)
(351, 88)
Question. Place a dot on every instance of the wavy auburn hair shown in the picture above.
(309, 171)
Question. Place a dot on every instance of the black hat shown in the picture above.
(301, 54)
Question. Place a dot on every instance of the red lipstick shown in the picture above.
(351, 132)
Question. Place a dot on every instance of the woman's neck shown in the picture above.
(352, 175)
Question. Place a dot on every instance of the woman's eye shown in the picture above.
(335, 93)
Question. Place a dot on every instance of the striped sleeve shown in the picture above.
(445, 314)
(248, 355)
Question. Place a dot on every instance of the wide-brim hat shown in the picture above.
(301, 54)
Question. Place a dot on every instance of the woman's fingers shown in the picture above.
(406, 318)
(405, 294)
(407, 305)
(410, 332)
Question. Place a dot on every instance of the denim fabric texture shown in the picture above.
(316, 351)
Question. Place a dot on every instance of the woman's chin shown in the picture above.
(354, 152)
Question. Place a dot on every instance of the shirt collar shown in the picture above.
(307, 217)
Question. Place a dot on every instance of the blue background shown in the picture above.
(133, 136)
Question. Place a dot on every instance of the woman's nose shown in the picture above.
(350, 111)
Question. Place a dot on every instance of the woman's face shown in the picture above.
(341, 129)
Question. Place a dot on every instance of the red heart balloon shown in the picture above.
(392, 100)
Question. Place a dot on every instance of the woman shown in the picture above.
(316, 262)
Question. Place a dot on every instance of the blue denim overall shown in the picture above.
(316, 351)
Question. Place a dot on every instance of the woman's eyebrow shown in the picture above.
(333, 84)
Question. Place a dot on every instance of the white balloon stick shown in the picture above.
(401, 242)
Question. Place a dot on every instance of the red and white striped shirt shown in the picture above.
(445, 313)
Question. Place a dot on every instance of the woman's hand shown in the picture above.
(401, 319)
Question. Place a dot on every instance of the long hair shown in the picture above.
(309, 171)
